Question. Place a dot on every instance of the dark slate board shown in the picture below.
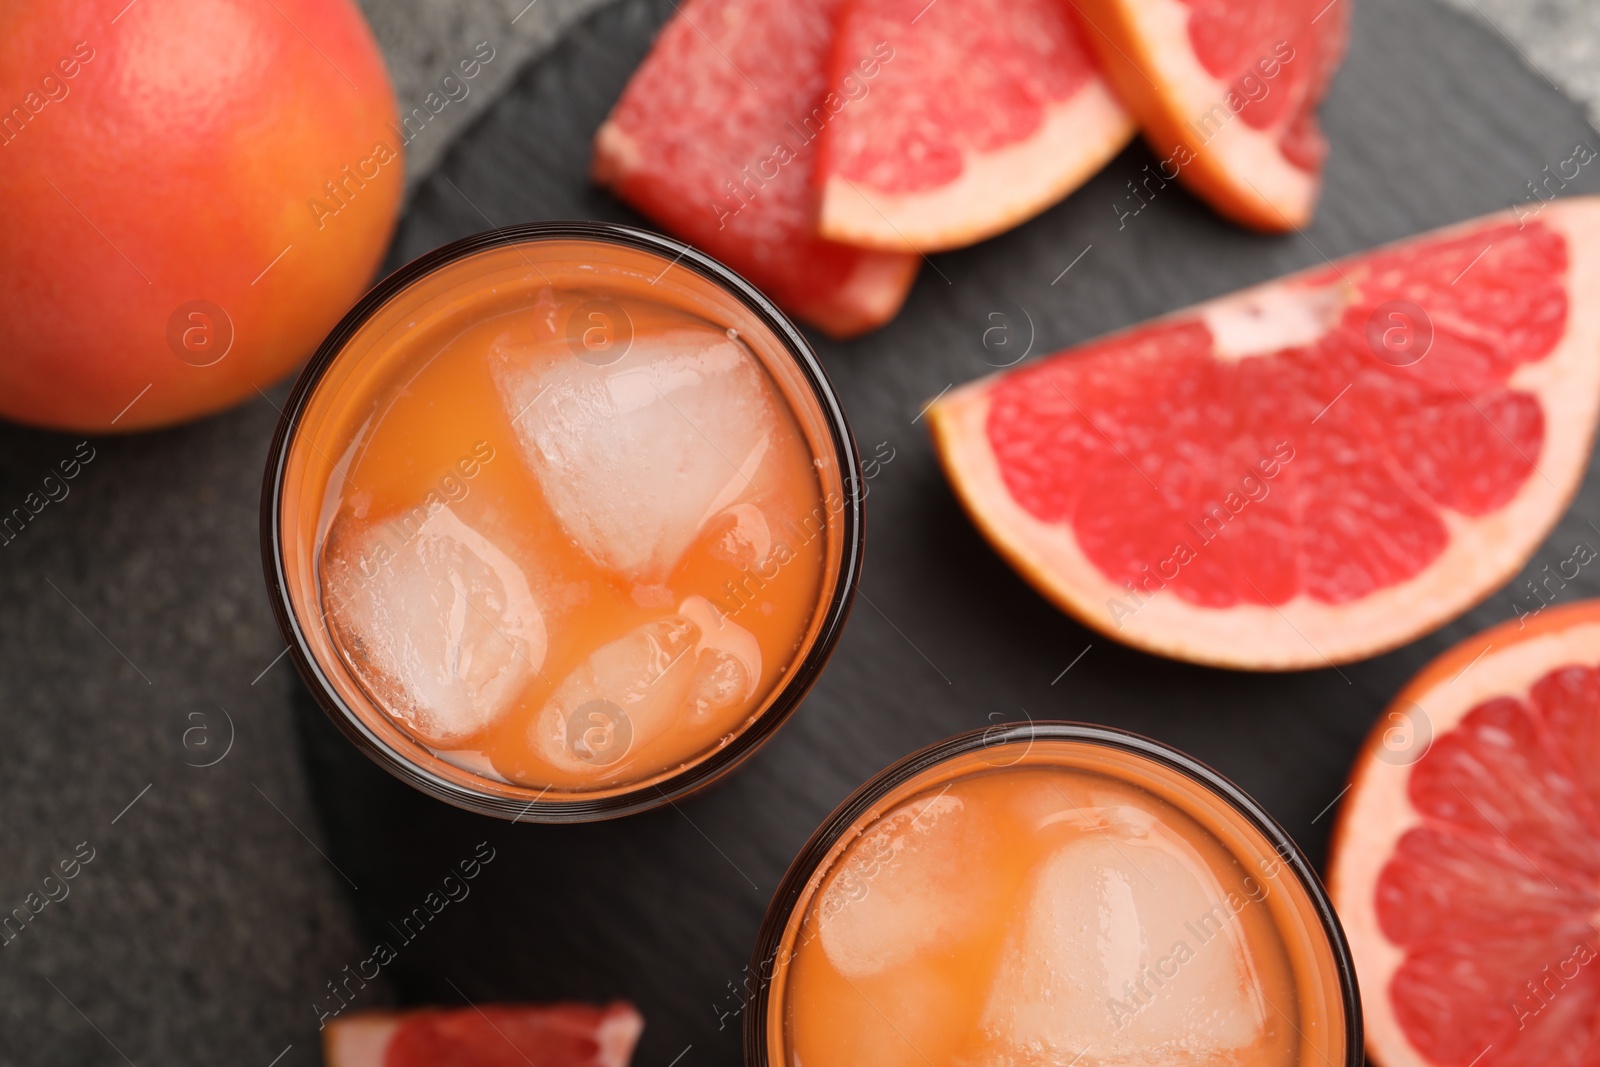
(221, 903)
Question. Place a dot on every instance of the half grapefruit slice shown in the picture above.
(960, 120)
(494, 1035)
(1467, 873)
(1308, 472)
(714, 138)
(1226, 92)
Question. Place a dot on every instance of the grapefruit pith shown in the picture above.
(1466, 872)
(715, 139)
(1226, 92)
(494, 1035)
(1307, 472)
(965, 118)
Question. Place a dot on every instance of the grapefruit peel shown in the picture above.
(1192, 118)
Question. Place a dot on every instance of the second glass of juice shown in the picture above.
(561, 522)
(1051, 895)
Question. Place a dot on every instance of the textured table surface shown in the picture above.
(136, 644)
(1558, 38)
(424, 42)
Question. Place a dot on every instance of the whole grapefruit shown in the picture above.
(192, 192)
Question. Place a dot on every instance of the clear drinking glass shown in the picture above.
(393, 332)
(1321, 1026)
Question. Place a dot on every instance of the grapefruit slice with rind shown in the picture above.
(1226, 92)
(1308, 472)
(491, 1035)
(1466, 862)
(714, 138)
(960, 120)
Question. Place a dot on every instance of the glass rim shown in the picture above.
(769, 937)
(782, 703)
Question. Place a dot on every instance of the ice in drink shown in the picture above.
(581, 524)
(1047, 909)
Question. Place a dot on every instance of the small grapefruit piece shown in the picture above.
(494, 1035)
(1226, 92)
(1307, 472)
(959, 120)
(714, 139)
(1466, 873)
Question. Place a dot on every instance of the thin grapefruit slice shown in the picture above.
(1226, 92)
(714, 138)
(1466, 872)
(1308, 472)
(959, 120)
(493, 1035)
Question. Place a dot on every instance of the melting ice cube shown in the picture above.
(1126, 951)
(626, 692)
(744, 535)
(636, 456)
(438, 622)
(670, 671)
(727, 664)
(901, 888)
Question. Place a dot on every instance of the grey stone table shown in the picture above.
(234, 855)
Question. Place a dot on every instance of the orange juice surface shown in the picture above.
(579, 540)
(1037, 915)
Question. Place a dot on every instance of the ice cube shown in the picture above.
(727, 664)
(437, 621)
(625, 693)
(473, 762)
(900, 890)
(743, 535)
(635, 457)
(1128, 950)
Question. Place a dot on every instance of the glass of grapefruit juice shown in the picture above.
(1051, 894)
(561, 522)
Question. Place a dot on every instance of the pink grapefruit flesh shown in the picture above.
(493, 1035)
(960, 119)
(714, 138)
(1226, 92)
(1466, 862)
(1308, 472)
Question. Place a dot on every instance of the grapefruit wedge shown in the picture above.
(494, 1035)
(960, 120)
(1466, 872)
(1308, 472)
(1226, 92)
(714, 139)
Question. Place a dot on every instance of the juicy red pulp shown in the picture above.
(1278, 57)
(560, 1035)
(970, 76)
(1493, 898)
(1319, 470)
(725, 114)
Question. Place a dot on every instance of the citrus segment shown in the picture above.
(959, 120)
(1467, 871)
(1310, 471)
(715, 139)
(1226, 92)
(554, 1035)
